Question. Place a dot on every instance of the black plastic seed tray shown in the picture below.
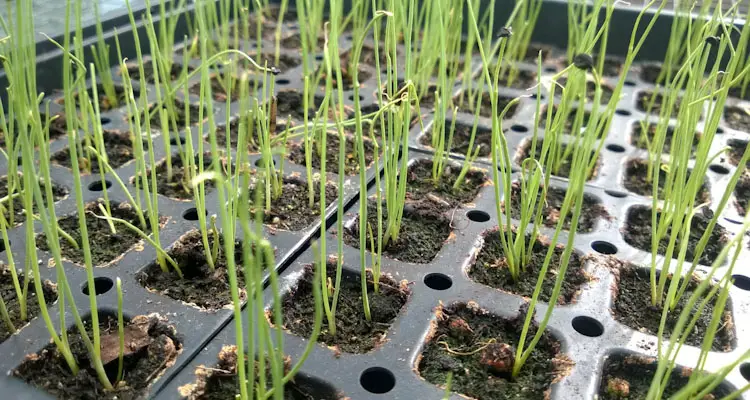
(585, 327)
(197, 326)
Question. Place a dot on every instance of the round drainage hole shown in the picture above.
(615, 148)
(719, 169)
(377, 380)
(2, 245)
(98, 186)
(191, 214)
(742, 282)
(179, 139)
(587, 326)
(478, 216)
(519, 128)
(600, 246)
(622, 112)
(102, 285)
(745, 371)
(438, 281)
(259, 162)
(615, 193)
(282, 81)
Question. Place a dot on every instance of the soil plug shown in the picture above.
(498, 358)
(618, 387)
(459, 328)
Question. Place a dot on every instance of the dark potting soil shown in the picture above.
(632, 307)
(148, 71)
(118, 146)
(478, 349)
(742, 193)
(485, 108)
(19, 214)
(523, 79)
(234, 136)
(640, 141)
(591, 210)
(638, 231)
(424, 230)
(152, 348)
(181, 119)
(636, 171)
(354, 333)
(219, 89)
(286, 62)
(9, 296)
(644, 99)
(57, 127)
(292, 211)
(105, 103)
(347, 77)
(420, 184)
(491, 269)
(201, 285)
(351, 161)
(220, 382)
(462, 137)
(650, 73)
(736, 150)
(737, 118)
(612, 67)
(606, 95)
(294, 42)
(105, 245)
(291, 103)
(532, 52)
(563, 170)
(736, 92)
(568, 126)
(630, 376)
(179, 187)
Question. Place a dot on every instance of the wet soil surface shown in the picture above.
(737, 118)
(636, 171)
(742, 193)
(591, 210)
(424, 230)
(736, 150)
(149, 75)
(606, 95)
(478, 349)
(351, 161)
(650, 74)
(523, 80)
(736, 92)
(354, 334)
(462, 138)
(220, 382)
(420, 183)
(564, 167)
(105, 103)
(485, 107)
(569, 123)
(630, 376)
(291, 103)
(220, 87)
(202, 285)
(347, 77)
(286, 62)
(644, 100)
(10, 297)
(105, 245)
(292, 211)
(19, 212)
(151, 347)
(641, 141)
(632, 307)
(491, 269)
(181, 118)
(638, 231)
(118, 146)
(179, 187)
